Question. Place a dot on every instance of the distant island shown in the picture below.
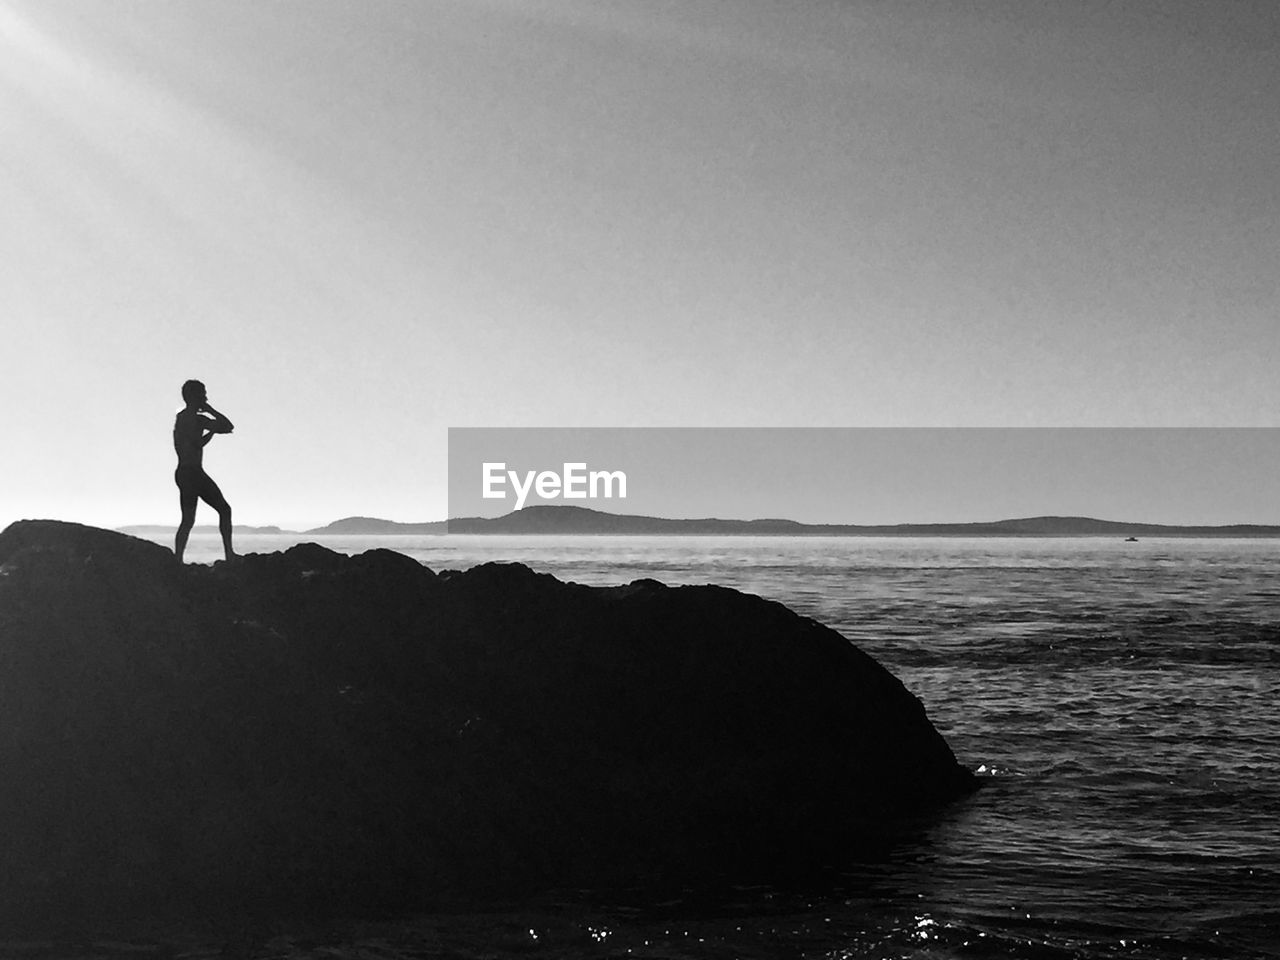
(159, 529)
(369, 526)
(552, 520)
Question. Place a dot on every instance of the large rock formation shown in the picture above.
(307, 728)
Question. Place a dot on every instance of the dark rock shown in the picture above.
(306, 729)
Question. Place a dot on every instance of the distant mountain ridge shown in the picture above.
(550, 519)
(159, 529)
(370, 526)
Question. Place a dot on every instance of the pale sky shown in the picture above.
(361, 223)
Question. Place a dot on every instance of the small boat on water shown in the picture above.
(1130, 539)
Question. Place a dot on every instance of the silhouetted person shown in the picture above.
(194, 427)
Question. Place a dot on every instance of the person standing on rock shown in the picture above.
(194, 427)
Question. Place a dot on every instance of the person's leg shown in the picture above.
(214, 498)
(187, 500)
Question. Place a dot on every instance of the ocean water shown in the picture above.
(1120, 701)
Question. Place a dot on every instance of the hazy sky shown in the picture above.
(363, 223)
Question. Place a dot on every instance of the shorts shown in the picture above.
(194, 482)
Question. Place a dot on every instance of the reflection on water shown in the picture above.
(1120, 700)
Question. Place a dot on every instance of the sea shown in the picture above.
(1119, 700)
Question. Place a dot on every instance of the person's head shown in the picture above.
(193, 393)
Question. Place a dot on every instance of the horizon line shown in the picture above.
(574, 509)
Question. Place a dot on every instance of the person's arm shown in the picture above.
(216, 422)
